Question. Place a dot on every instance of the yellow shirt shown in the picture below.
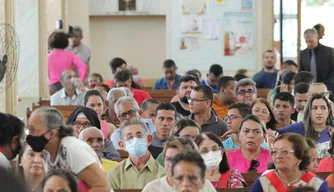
(107, 164)
(126, 176)
(221, 110)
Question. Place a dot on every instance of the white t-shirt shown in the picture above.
(74, 155)
(161, 183)
(4, 163)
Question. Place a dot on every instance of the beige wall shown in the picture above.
(77, 13)
(140, 40)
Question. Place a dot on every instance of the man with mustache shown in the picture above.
(164, 120)
(267, 77)
(245, 91)
(171, 79)
(187, 83)
(283, 107)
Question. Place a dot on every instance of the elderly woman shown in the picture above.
(188, 172)
(31, 167)
(327, 164)
(313, 166)
(173, 146)
(218, 171)
(261, 108)
(291, 158)
(84, 117)
(183, 128)
(48, 132)
(250, 157)
(316, 124)
(93, 99)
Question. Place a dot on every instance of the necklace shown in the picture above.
(291, 182)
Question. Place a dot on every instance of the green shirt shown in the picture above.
(126, 176)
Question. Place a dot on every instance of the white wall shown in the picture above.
(140, 40)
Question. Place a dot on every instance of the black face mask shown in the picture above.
(37, 143)
(184, 100)
(16, 151)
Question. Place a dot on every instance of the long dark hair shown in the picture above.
(309, 130)
(223, 166)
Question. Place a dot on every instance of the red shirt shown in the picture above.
(140, 95)
(326, 165)
(109, 82)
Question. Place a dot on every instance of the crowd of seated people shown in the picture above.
(214, 133)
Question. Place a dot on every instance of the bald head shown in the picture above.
(94, 138)
(319, 88)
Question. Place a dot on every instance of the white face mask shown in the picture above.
(212, 159)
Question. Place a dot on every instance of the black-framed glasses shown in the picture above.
(231, 117)
(244, 92)
(322, 93)
(254, 164)
(195, 100)
(130, 113)
(78, 124)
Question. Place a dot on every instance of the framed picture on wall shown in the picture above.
(126, 5)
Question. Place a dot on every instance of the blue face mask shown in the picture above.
(136, 147)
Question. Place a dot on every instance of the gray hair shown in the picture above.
(53, 119)
(243, 83)
(77, 28)
(83, 133)
(134, 121)
(110, 95)
(318, 84)
(127, 91)
(313, 31)
(63, 75)
(126, 99)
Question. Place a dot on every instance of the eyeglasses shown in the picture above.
(207, 150)
(254, 164)
(191, 178)
(195, 100)
(78, 124)
(284, 153)
(131, 113)
(322, 93)
(138, 135)
(263, 112)
(231, 117)
(244, 92)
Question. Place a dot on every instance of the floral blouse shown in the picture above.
(235, 180)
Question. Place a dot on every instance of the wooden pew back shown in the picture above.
(162, 95)
(123, 154)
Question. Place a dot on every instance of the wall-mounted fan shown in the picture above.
(9, 56)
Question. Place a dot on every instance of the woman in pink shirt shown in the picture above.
(60, 60)
(250, 157)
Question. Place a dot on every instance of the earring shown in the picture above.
(298, 164)
(20, 165)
